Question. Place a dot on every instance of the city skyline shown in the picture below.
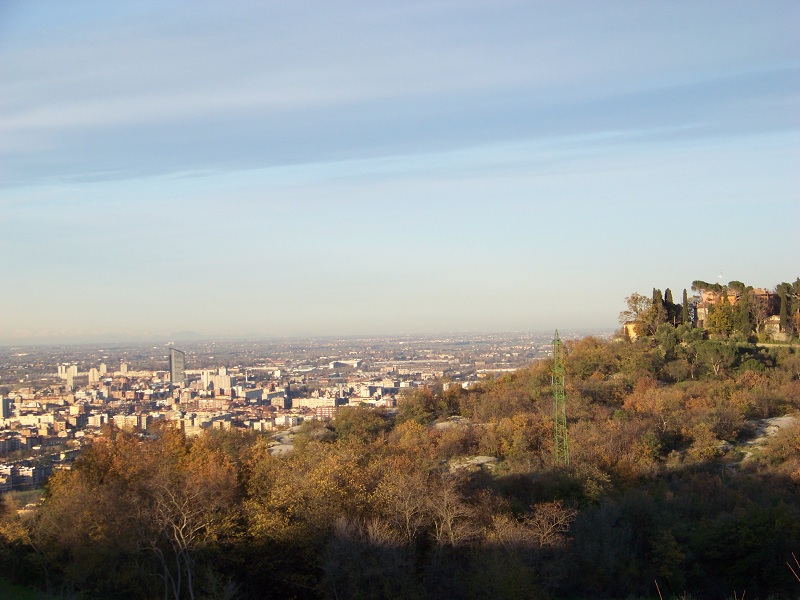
(308, 170)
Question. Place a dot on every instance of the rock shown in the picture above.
(473, 463)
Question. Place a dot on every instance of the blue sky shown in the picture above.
(355, 168)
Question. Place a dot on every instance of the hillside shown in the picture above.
(678, 474)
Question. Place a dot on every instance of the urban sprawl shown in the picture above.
(54, 400)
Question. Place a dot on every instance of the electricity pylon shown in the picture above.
(561, 441)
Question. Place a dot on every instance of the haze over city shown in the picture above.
(299, 169)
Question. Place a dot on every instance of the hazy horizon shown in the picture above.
(189, 338)
(298, 170)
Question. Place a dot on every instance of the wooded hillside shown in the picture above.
(663, 485)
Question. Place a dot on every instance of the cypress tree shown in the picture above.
(685, 308)
(670, 306)
(658, 299)
(784, 312)
(743, 312)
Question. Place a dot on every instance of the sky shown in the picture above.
(310, 168)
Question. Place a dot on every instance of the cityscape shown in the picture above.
(409, 300)
(58, 399)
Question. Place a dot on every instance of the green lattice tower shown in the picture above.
(561, 440)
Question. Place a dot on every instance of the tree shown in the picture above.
(360, 423)
(645, 313)
(670, 307)
(794, 306)
(637, 305)
(685, 308)
(737, 286)
(743, 312)
(721, 317)
(402, 495)
(191, 504)
(759, 311)
(417, 404)
(654, 317)
(717, 355)
(784, 309)
(704, 286)
(549, 522)
(365, 558)
(453, 519)
(658, 297)
(131, 507)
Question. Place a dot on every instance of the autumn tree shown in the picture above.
(402, 496)
(637, 305)
(191, 503)
(645, 313)
(130, 504)
(360, 423)
(721, 317)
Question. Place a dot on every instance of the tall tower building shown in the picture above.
(177, 367)
(5, 408)
(207, 377)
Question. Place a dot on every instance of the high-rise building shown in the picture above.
(103, 369)
(177, 367)
(66, 370)
(5, 408)
(123, 368)
(206, 377)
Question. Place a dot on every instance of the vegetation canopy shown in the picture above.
(671, 480)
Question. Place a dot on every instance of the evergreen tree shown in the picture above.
(784, 309)
(685, 308)
(670, 306)
(658, 299)
(794, 306)
(743, 313)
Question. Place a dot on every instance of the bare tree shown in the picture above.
(549, 522)
(760, 311)
(453, 523)
(189, 507)
(403, 494)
